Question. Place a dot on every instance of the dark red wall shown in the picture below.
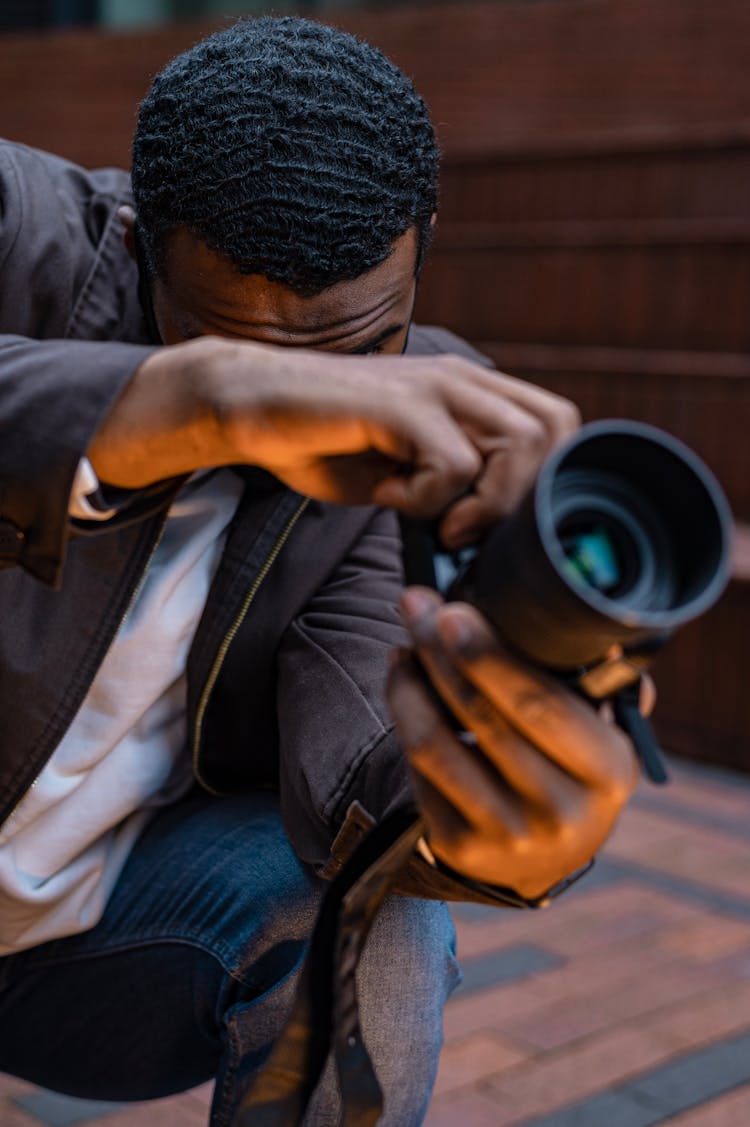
(594, 233)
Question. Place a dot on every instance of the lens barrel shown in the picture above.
(623, 538)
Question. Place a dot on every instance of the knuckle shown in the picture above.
(568, 417)
(462, 465)
(620, 780)
(522, 844)
(534, 436)
(574, 833)
(459, 848)
(626, 765)
(628, 778)
(538, 708)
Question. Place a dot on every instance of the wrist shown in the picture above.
(236, 386)
(208, 364)
(502, 894)
(163, 423)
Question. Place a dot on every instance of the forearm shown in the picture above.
(214, 401)
(164, 422)
(410, 433)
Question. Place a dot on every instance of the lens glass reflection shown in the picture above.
(591, 558)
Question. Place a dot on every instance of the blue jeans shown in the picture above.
(191, 972)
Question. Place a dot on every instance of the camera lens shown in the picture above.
(612, 540)
(623, 538)
(591, 557)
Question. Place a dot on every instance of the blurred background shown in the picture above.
(594, 227)
(593, 237)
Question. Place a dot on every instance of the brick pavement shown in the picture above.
(627, 1004)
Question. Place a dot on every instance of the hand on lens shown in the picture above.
(431, 436)
(536, 792)
(427, 435)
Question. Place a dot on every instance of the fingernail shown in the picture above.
(416, 603)
(455, 632)
(419, 611)
(453, 536)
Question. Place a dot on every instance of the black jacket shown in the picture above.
(286, 671)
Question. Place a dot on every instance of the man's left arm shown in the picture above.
(522, 805)
(526, 794)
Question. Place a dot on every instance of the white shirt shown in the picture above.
(65, 844)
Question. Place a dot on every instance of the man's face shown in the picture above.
(203, 293)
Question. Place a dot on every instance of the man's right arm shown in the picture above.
(414, 433)
(411, 432)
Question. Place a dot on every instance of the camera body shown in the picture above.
(623, 538)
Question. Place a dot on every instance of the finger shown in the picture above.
(466, 782)
(541, 781)
(560, 416)
(477, 823)
(413, 399)
(443, 463)
(538, 705)
(343, 478)
(445, 828)
(507, 475)
(513, 444)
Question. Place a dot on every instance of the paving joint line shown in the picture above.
(673, 808)
(660, 1094)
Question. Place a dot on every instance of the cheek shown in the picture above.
(165, 321)
(168, 331)
(168, 334)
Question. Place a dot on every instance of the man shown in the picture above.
(199, 601)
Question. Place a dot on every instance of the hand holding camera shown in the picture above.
(622, 539)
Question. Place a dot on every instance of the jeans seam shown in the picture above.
(219, 951)
(229, 1078)
(235, 1055)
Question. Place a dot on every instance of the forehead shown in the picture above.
(205, 288)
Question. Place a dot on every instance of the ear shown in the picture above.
(126, 216)
(433, 220)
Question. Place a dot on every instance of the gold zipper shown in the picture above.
(230, 636)
(134, 595)
(137, 589)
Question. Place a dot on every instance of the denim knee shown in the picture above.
(407, 972)
(405, 976)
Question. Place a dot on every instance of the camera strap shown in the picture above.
(325, 1012)
(628, 716)
(617, 678)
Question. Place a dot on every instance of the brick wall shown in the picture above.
(594, 233)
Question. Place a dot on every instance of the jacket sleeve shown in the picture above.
(341, 763)
(336, 737)
(58, 241)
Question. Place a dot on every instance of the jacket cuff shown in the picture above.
(86, 497)
(428, 878)
(500, 894)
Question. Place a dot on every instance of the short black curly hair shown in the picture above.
(293, 148)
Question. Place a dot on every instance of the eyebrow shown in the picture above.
(370, 345)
